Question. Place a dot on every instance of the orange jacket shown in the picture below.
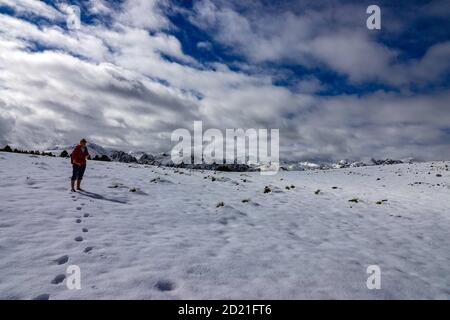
(79, 156)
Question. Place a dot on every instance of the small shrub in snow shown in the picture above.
(7, 149)
(64, 154)
(103, 157)
(220, 204)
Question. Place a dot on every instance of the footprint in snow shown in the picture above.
(88, 249)
(79, 208)
(86, 215)
(228, 213)
(79, 239)
(255, 204)
(78, 220)
(62, 259)
(58, 279)
(44, 296)
(85, 229)
(165, 285)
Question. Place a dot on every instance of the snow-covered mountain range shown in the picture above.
(94, 149)
(164, 159)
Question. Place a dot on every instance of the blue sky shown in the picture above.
(411, 42)
(137, 70)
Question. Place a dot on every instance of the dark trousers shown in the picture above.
(78, 172)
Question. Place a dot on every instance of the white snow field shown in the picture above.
(168, 240)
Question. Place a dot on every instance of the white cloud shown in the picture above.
(81, 44)
(100, 7)
(309, 85)
(33, 7)
(205, 45)
(333, 35)
(353, 54)
(145, 14)
(113, 84)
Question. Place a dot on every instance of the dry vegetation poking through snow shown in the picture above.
(162, 233)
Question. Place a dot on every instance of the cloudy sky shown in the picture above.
(138, 69)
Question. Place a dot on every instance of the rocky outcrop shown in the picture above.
(121, 156)
(103, 157)
(6, 149)
(385, 162)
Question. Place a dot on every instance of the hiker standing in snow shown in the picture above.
(78, 159)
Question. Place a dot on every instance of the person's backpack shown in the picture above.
(71, 158)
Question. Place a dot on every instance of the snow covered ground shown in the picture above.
(169, 240)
